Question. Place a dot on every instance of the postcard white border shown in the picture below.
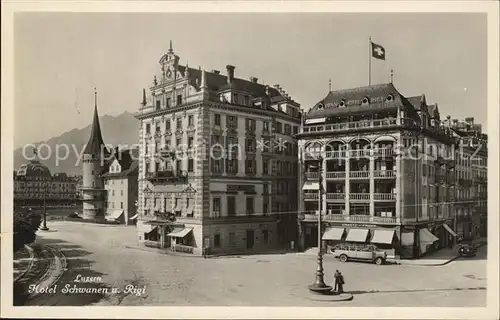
(9, 8)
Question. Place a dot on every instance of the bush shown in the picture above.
(26, 224)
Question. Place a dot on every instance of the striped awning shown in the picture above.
(333, 234)
(383, 236)
(357, 235)
(180, 232)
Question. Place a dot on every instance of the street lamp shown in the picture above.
(319, 285)
(44, 227)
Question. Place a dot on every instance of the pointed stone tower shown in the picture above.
(94, 156)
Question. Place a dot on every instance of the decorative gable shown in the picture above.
(189, 189)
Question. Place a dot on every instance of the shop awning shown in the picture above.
(447, 227)
(333, 234)
(134, 217)
(180, 232)
(113, 214)
(357, 235)
(309, 185)
(426, 237)
(407, 239)
(383, 236)
(145, 228)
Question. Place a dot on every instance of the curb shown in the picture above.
(332, 298)
(58, 264)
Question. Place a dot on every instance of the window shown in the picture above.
(121, 205)
(250, 145)
(250, 124)
(265, 207)
(216, 165)
(295, 130)
(232, 166)
(121, 192)
(250, 202)
(178, 166)
(190, 142)
(179, 99)
(190, 120)
(279, 127)
(113, 193)
(168, 102)
(216, 207)
(179, 123)
(247, 100)
(190, 165)
(178, 142)
(265, 167)
(265, 189)
(235, 97)
(231, 206)
(158, 129)
(217, 240)
(232, 122)
(250, 166)
(112, 204)
(266, 126)
(217, 119)
(265, 235)
(288, 129)
(158, 104)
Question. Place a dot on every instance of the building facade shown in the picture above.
(388, 172)
(121, 184)
(218, 162)
(34, 183)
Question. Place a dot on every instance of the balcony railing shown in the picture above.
(383, 152)
(359, 196)
(312, 175)
(359, 174)
(335, 196)
(313, 215)
(389, 122)
(384, 173)
(384, 196)
(336, 154)
(335, 175)
(359, 153)
(311, 196)
(165, 175)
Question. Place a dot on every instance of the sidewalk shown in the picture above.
(439, 258)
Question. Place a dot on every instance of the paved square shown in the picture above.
(265, 280)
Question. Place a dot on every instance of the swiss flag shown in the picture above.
(378, 52)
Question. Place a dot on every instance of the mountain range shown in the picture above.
(116, 130)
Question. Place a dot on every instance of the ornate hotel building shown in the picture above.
(391, 172)
(218, 163)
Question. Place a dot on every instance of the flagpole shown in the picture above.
(370, 61)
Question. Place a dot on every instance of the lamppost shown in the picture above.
(44, 227)
(319, 285)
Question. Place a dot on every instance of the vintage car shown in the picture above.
(359, 252)
(467, 250)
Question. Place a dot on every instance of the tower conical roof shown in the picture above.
(95, 141)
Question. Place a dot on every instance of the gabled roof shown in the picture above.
(128, 160)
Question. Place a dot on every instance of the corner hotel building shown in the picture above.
(193, 195)
(374, 188)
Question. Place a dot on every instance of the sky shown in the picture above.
(61, 57)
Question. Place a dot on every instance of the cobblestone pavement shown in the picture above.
(266, 280)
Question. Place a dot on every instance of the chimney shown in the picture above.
(215, 71)
(253, 79)
(230, 73)
(267, 90)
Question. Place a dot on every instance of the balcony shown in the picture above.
(336, 154)
(384, 173)
(358, 153)
(311, 196)
(359, 196)
(384, 196)
(382, 123)
(359, 174)
(335, 196)
(355, 218)
(312, 175)
(166, 176)
(335, 175)
(383, 152)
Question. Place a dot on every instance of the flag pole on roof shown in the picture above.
(370, 61)
(376, 51)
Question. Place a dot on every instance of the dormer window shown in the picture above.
(321, 106)
(366, 100)
(389, 98)
(342, 103)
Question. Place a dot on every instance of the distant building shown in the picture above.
(109, 179)
(194, 192)
(121, 186)
(376, 190)
(33, 182)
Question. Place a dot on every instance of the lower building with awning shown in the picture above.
(180, 232)
(426, 238)
(383, 236)
(333, 234)
(113, 214)
(357, 235)
(309, 185)
(144, 227)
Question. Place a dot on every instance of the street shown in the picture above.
(99, 252)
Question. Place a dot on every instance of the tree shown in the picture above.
(26, 224)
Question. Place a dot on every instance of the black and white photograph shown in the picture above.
(270, 156)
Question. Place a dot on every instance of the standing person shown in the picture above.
(341, 283)
(336, 277)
